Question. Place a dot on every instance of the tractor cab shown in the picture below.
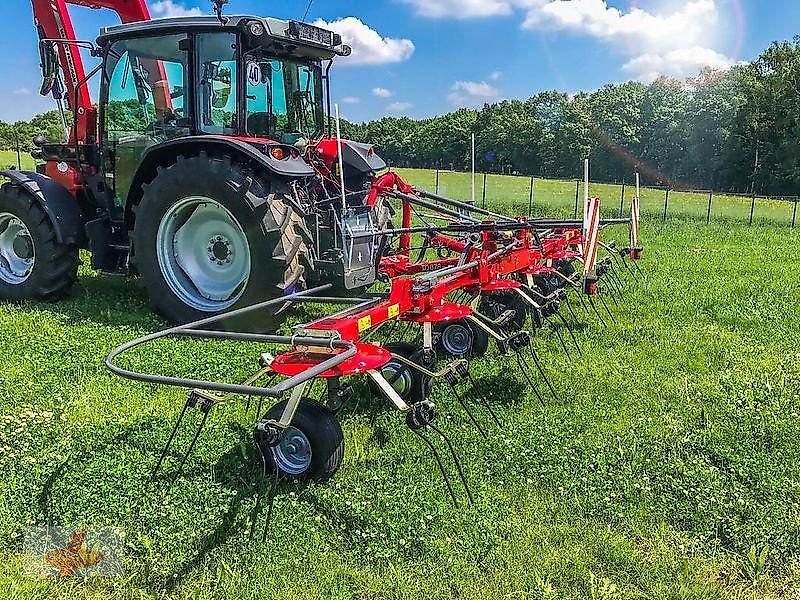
(260, 80)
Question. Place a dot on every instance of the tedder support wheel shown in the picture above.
(211, 236)
(410, 384)
(312, 447)
(33, 264)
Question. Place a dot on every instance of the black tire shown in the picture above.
(416, 384)
(278, 240)
(324, 434)
(476, 345)
(55, 267)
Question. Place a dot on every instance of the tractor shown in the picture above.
(209, 165)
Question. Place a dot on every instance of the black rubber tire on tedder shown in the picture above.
(314, 430)
(55, 265)
(277, 241)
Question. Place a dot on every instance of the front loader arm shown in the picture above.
(53, 22)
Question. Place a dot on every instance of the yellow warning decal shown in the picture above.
(394, 311)
(364, 323)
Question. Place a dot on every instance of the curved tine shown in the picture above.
(620, 283)
(608, 310)
(613, 283)
(483, 400)
(258, 408)
(571, 333)
(571, 310)
(608, 279)
(597, 312)
(540, 367)
(438, 460)
(191, 446)
(455, 460)
(168, 444)
(529, 379)
(628, 269)
(636, 264)
(247, 406)
(271, 505)
(583, 301)
(555, 330)
(471, 416)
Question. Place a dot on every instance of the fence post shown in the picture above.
(437, 182)
(708, 214)
(577, 195)
(666, 204)
(484, 190)
(530, 200)
(622, 201)
(752, 209)
(794, 212)
(19, 157)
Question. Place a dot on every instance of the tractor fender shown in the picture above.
(164, 153)
(361, 157)
(58, 204)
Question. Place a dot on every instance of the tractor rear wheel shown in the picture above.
(211, 236)
(33, 264)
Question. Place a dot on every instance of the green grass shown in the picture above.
(672, 453)
(8, 158)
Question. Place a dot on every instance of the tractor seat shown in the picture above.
(261, 123)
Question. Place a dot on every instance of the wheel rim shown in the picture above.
(17, 250)
(457, 339)
(399, 377)
(203, 254)
(293, 454)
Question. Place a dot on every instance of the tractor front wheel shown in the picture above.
(33, 264)
(211, 237)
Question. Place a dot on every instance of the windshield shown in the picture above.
(284, 100)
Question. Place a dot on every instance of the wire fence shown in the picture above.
(561, 198)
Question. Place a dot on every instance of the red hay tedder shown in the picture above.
(215, 174)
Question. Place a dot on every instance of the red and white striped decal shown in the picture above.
(591, 228)
(634, 223)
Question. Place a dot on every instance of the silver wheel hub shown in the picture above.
(17, 252)
(399, 377)
(203, 253)
(293, 454)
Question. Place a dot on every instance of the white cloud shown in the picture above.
(677, 42)
(495, 75)
(369, 47)
(382, 92)
(680, 64)
(168, 8)
(472, 93)
(350, 100)
(23, 91)
(399, 106)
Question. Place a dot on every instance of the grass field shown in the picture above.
(669, 468)
(8, 158)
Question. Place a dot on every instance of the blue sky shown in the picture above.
(423, 57)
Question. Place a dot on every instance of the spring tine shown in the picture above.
(471, 416)
(568, 302)
(270, 505)
(528, 378)
(542, 372)
(599, 316)
(258, 407)
(455, 460)
(627, 268)
(617, 282)
(636, 264)
(206, 409)
(171, 437)
(571, 333)
(612, 288)
(555, 330)
(438, 460)
(483, 400)
(583, 302)
(605, 305)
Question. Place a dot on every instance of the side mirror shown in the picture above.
(49, 63)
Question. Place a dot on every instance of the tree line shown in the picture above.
(735, 130)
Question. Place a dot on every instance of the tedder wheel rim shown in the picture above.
(203, 254)
(293, 454)
(457, 339)
(17, 250)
